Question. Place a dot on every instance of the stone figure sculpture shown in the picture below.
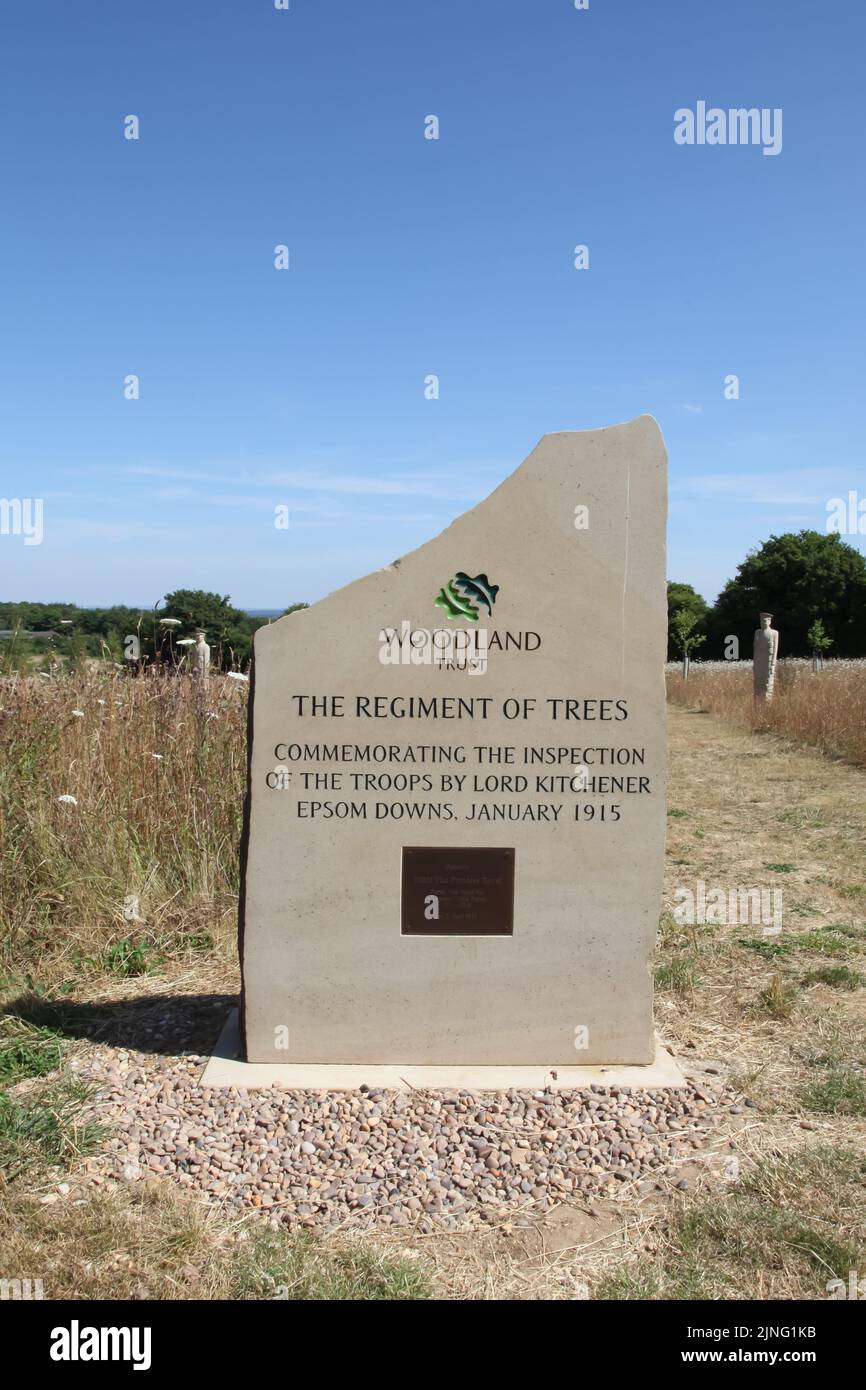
(202, 655)
(765, 653)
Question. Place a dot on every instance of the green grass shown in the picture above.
(45, 1130)
(768, 947)
(26, 1050)
(127, 958)
(805, 818)
(277, 1266)
(807, 908)
(781, 868)
(196, 941)
(677, 975)
(842, 1092)
(779, 998)
(784, 1231)
(856, 933)
(674, 935)
(823, 941)
(640, 1284)
(836, 976)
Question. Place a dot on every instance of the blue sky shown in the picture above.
(411, 257)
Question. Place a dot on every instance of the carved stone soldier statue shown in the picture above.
(765, 653)
(202, 655)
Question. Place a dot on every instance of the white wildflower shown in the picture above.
(69, 800)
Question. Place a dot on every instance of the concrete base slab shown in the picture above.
(225, 1069)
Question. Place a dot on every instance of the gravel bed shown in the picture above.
(382, 1157)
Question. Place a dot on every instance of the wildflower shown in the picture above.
(100, 702)
(169, 622)
(185, 642)
(236, 676)
(79, 713)
(69, 800)
(158, 756)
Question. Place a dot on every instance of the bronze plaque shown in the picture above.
(457, 892)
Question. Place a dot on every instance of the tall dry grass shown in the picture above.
(145, 860)
(143, 864)
(825, 708)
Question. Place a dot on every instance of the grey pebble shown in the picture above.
(421, 1159)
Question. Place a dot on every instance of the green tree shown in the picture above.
(682, 598)
(102, 632)
(229, 630)
(685, 637)
(819, 642)
(798, 578)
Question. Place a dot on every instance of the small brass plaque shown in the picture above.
(457, 892)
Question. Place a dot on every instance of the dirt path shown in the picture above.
(749, 810)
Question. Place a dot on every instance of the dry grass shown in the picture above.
(789, 1228)
(148, 1242)
(144, 864)
(757, 812)
(826, 709)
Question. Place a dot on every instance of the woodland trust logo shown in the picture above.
(454, 648)
(462, 595)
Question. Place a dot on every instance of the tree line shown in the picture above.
(80, 633)
(814, 584)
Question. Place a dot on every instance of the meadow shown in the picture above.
(825, 708)
(120, 814)
(120, 817)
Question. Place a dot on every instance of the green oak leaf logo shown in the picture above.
(462, 596)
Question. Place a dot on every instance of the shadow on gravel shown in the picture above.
(170, 1023)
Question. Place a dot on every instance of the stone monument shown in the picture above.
(765, 652)
(455, 816)
(202, 655)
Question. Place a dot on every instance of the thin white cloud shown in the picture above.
(411, 485)
(460, 483)
(798, 487)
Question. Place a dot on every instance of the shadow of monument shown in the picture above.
(168, 1024)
